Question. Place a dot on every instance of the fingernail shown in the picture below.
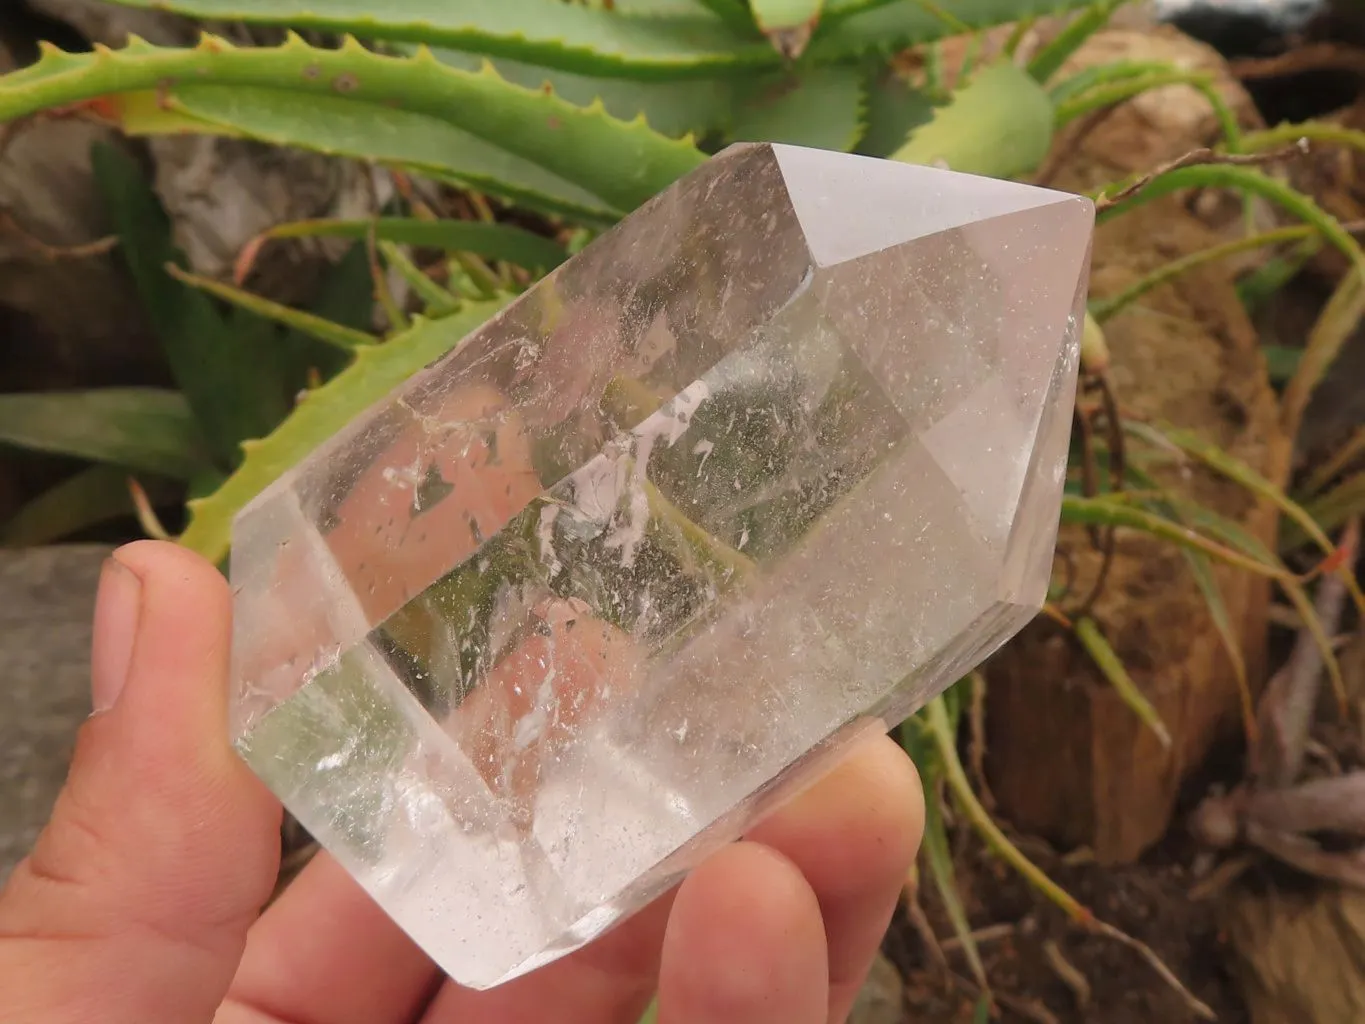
(117, 607)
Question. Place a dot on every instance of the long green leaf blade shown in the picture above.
(940, 858)
(1050, 58)
(145, 429)
(939, 727)
(324, 330)
(232, 374)
(1239, 472)
(919, 744)
(567, 36)
(1202, 571)
(495, 241)
(1247, 179)
(1112, 510)
(1334, 508)
(375, 371)
(1111, 667)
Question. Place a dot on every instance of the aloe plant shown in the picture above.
(577, 113)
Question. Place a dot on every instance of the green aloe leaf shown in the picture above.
(231, 373)
(146, 429)
(999, 124)
(822, 108)
(596, 41)
(887, 26)
(676, 109)
(734, 13)
(367, 131)
(495, 241)
(373, 373)
(618, 164)
(895, 108)
(567, 36)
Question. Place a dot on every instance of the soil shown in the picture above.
(1149, 901)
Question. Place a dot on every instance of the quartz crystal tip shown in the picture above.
(771, 463)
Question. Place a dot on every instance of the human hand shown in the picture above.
(141, 901)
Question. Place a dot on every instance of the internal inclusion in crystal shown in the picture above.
(775, 461)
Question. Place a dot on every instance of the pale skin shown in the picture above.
(141, 902)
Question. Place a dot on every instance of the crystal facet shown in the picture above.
(769, 464)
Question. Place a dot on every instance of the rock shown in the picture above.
(1155, 126)
(46, 601)
(1066, 758)
(882, 997)
(221, 193)
(1299, 953)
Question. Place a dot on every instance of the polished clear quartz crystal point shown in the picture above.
(768, 465)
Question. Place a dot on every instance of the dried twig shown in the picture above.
(246, 259)
(1069, 974)
(48, 251)
(392, 312)
(1029, 1009)
(1057, 615)
(1302, 853)
(146, 515)
(1286, 711)
(1026, 1008)
(1221, 877)
(1309, 57)
(1196, 1005)
(1198, 157)
(990, 933)
(1335, 804)
(919, 920)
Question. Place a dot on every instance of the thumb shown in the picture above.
(135, 901)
